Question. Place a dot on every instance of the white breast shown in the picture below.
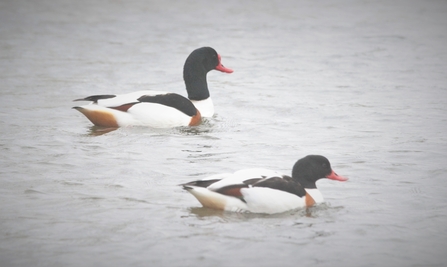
(206, 107)
(316, 195)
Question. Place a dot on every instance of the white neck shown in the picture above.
(205, 107)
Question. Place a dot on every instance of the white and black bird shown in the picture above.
(157, 108)
(265, 191)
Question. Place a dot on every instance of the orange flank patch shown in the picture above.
(235, 192)
(124, 107)
(196, 119)
(309, 200)
(99, 117)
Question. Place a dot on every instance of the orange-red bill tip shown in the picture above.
(334, 176)
(221, 67)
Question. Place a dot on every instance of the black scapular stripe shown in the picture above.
(284, 183)
(201, 183)
(172, 100)
(95, 98)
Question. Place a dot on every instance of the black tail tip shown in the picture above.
(185, 186)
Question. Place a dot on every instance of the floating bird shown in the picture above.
(265, 191)
(156, 108)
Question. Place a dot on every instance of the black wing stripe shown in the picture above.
(201, 183)
(172, 100)
(95, 98)
(286, 184)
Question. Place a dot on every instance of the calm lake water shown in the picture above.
(362, 82)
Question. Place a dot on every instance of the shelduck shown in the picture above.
(157, 108)
(265, 191)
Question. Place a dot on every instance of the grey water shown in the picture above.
(363, 83)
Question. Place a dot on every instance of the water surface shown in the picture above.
(361, 82)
